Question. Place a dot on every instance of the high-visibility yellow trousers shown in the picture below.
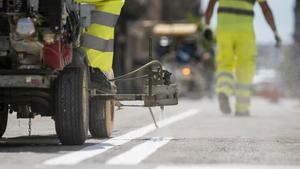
(98, 40)
(236, 65)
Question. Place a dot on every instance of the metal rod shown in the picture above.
(123, 97)
(126, 105)
(29, 127)
(150, 69)
(153, 118)
(154, 62)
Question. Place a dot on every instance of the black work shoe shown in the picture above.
(100, 82)
(224, 103)
(242, 114)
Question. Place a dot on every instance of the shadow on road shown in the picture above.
(37, 144)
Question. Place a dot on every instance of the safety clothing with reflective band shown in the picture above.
(243, 97)
(225, 83)
(236, 65)
(236, 15)
(98, 40)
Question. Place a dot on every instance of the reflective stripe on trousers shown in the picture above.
(243, 97)
(98, 40)
(225, 83)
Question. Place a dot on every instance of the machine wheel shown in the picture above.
(3, 119)
(101, 118)
(71, 106)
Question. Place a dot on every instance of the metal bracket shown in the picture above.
(161, 96)
(158, 92)
(25, 81)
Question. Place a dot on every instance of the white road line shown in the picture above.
(227, 166)
(94, 150)
(139, 153)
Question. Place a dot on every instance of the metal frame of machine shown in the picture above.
(43, 71)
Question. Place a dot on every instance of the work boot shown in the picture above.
(111, 75)
(224, 103)
(242, 114)
(100, 81)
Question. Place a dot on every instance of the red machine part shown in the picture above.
(57, 55)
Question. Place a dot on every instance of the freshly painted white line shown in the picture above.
(94, 150)
(227, 166)
(139, 153)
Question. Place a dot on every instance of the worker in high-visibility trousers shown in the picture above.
(98, 40)
(236, 50)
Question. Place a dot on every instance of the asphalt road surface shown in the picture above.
(192, 135)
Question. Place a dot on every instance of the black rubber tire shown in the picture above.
(71, 106)
(3, 119)
(101, 118)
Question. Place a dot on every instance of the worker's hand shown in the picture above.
(278, 40)
(208, 33)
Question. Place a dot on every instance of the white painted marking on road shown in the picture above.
(94, 150)
(140, 152)
(227, 166)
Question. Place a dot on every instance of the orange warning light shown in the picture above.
(186, 71)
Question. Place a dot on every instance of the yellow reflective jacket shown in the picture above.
(236, 15)
(98, 40)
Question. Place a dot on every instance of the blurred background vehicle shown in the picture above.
(178, 47)
(135, 27)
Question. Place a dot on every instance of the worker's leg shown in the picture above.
(245, 70)
(99, 38)
(225, 64)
